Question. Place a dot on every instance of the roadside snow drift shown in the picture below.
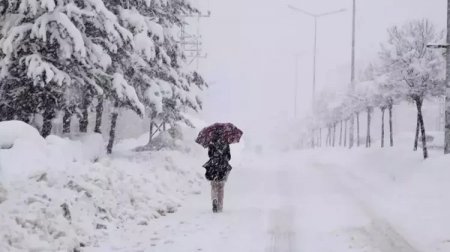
(58, 194)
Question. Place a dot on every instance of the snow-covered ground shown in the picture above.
(365, 200)
(59, 194)
(323, 200)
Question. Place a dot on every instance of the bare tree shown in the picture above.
(369, 122)
(383, 110)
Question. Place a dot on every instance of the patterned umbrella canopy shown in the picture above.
(226, 131)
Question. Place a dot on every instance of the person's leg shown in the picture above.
(213, 191)
(214, 195)
(220, 194)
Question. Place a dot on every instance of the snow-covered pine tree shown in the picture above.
(31, 43)
(57, 53)
(416, 71)
(160, 75)
(123, 95)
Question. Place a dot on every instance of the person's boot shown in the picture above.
(219, 206)
(215, 206)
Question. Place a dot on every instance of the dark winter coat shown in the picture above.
(217, 168)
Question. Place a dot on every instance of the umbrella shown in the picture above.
(227, 131)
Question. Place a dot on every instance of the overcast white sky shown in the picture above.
(251, 46)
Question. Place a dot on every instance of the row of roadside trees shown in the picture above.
(71, 58)
(405, 70)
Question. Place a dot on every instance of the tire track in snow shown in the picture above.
(281, 221)
(281, 232)
(380, 235)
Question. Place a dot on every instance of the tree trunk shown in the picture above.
(9, 114)
(382, 126)
(369, 119)
(320, 137)
(334, 134)
(357, 130)
(317, 138)
(419, 104)
(345, 133)
(416, 139)
(150, 135)
(112, 131)
(314, 136)
(391, 130)
(98, 115)
(48, 115)
(351, 129)
(2, 113)
(340, 135)
(67, 119)
(84, 119)
(329, 136)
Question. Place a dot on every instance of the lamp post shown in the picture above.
(296, 85)
(316, 17)
(447, 83)
(352, 78)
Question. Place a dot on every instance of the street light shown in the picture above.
(296, 59)
(447, 84)
(316, 17)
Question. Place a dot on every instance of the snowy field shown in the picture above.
(316, 201)
(56, 197)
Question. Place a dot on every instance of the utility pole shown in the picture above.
(316, 17)
(447, 87)
(447, 83)
(353, 45)
(191, 44)
(314, 64)
(352, 79)
(296, 86)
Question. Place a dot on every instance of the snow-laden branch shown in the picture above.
(126, 93)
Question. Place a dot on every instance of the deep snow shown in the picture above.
(60, 194)
(322, 200)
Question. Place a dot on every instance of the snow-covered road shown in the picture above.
(284, 203)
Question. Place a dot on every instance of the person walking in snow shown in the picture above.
(217, 138)
(217, 170)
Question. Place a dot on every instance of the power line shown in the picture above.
(191, 44)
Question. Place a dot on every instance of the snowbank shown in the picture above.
(29, 155)
(12, 131)
(64, 194)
